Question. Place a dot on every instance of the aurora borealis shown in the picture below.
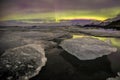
(58, 9)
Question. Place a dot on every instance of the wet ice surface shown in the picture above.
(87, 48)
(23, 62)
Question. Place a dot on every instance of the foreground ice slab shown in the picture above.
(87, 48)
(22, 63)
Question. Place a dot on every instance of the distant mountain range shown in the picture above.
(112, 23)
(52, 22)
(113, 19)
(39, 22)
(81, 22)
(108, 21)
(105, 22)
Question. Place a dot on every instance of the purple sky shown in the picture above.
(8, 7)
(49, 5)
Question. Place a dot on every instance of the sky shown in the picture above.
(58, 9)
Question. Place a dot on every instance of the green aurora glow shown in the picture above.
(102, 14)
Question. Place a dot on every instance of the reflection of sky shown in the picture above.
(114, 41)
(58, 9)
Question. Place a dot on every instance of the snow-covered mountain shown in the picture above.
(108, 21)
(113, 19)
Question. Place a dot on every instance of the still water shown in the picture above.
(114, 58)
(114, 41)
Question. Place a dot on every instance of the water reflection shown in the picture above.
(114, 58)
(114, 41)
